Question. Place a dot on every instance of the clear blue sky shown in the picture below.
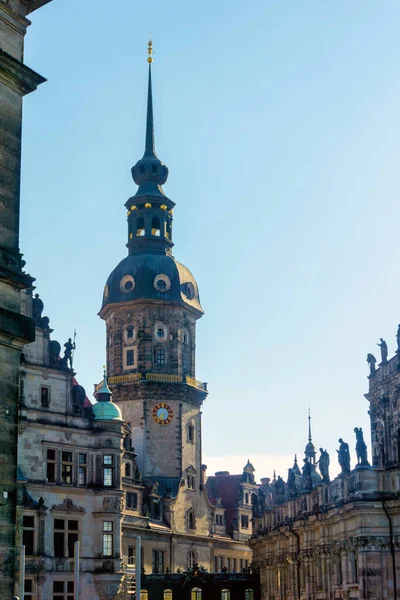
(279, 122)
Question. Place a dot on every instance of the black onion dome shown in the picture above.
(154, 277)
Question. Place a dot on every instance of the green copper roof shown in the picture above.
(106, 411)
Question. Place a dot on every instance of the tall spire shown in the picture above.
(150, 146)
(310, 451)
(149, 209)
(150, 173)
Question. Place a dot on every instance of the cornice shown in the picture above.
(17, 76)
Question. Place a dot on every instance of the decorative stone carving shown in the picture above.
(67, 506)
(111, 504)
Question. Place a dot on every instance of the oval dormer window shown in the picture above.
(127, 284)
(190, 290)
(162, 283)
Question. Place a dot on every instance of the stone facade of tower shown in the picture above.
(150, 306)
(16, 80)
(338, 539)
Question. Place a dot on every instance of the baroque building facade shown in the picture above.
(130, 464)
(16, 81)
(339, 539)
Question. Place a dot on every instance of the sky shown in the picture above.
(279, 122)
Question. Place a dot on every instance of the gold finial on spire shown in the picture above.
(150, 51)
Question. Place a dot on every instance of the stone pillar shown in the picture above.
(16, 330)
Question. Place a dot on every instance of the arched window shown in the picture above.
(191, 520)
(249, 595)
(140, 229)
(144, 595)
(155, 226)
(225, 594)
(191, 559)
(191, 433)
(167, 595)
(196, 594)
(127, 470)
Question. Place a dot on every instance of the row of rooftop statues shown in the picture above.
(371, 360)
(55, 348)
(306, 479)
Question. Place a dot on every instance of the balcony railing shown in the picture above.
(160, 378)
(164, 377)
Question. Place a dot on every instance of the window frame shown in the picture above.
(108, 467)
(131, 500)
(45, 388)
(67, 468)
(68, 589)
(32, 531)
(69, 536)
(53, 462)
(107, 539)
(82, 469)
(160, 359)
(158, 561)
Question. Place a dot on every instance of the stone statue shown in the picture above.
(69, 347)
(255, 505)
(306, 476)
(55, 350)
(279, 490)
(261, 500)
(361, 448)
(344, 457)
(324, 462)
(291, 483)
(384, 350)
(37, 309)
(371, 360)
(398, 339)
(266, 486)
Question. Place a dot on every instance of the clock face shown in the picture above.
(162, 413)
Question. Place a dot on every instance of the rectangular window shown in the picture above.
(234, 565)
(131, 500)
(241, 564)
(28, 534)
(45, 396)
(221, 563)
(108, 470)
(51, 466)
(107, 538)
(228, 564)
(82, 469)
(246, 563)
(215, 564)
(130, 358)
(244, 521)
(131, 555)
(191, 482)
(72, 537)
(160, 357)
(63, 590)
(66, 533)
(158, 561)
(66, 467)
(28, 589)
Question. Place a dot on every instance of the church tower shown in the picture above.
(150, 306)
